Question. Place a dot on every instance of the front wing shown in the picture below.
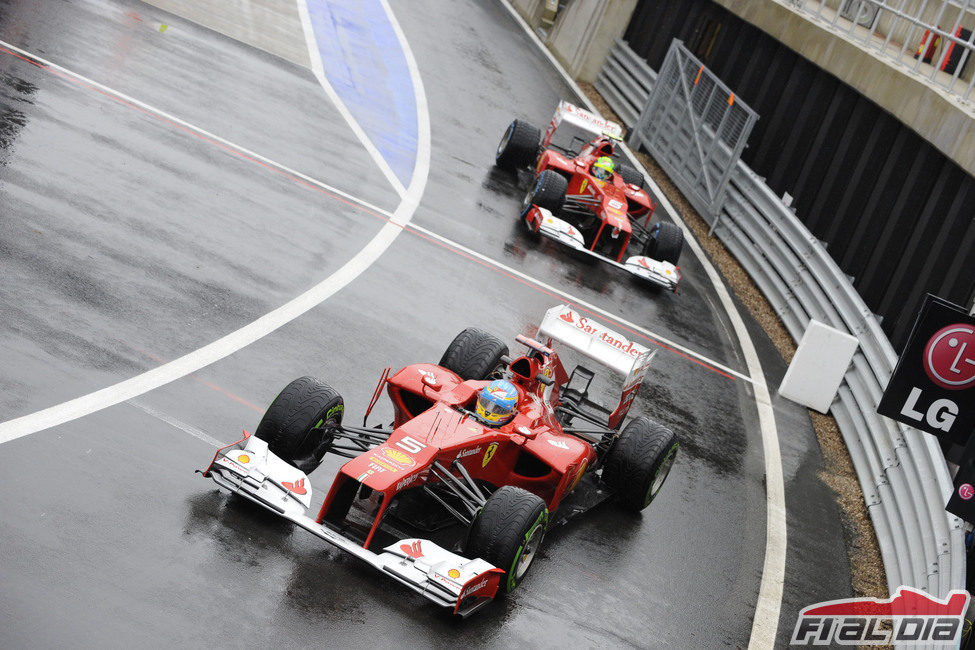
(658, 272)
(438, 574)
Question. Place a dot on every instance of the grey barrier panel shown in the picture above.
(625, 82)
(902, 471)
(694, 126)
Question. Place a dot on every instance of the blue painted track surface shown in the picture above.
(365, 65)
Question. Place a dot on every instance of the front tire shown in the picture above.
(508, 531)
(665, 243)
(639, 462)
(299, 425)
(630, 175)
(475, 354)
(518, 147)
(548, 191)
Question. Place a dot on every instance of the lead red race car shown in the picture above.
(451, 505)
(603, 217)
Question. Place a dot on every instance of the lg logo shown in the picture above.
(949, 361)
(949, 357)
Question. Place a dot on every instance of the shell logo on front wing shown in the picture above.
(398, 457)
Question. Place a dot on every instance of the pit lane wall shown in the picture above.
(902, 471)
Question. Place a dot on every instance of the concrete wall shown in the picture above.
(584, 32)
(939, 118)
(529, 10)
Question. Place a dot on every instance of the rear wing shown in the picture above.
(602, 345)
(570, 122)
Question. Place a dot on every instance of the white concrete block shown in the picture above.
(814, 376)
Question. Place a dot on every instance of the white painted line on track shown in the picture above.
(195, 129)
(229, 344)
(766, 621)
(182, 426)
(193, 361)
(319, 71)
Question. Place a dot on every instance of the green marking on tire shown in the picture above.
(512, 578)
(335, 409)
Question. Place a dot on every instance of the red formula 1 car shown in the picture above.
(600, 217)
(448, 506)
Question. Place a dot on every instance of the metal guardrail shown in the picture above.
(625, 82)
(902, 471)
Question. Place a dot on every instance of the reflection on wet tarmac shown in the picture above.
(12, 119)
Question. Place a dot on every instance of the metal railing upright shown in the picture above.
(945, 29)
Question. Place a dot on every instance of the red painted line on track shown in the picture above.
(409, 229)
(206, 383)
(161, 118)
(562, 298)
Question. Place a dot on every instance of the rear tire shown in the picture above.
(665, 243)
(508, 531)
(518, 147)
(630, 175)
(639, 462)
(548, 191)
(298, 425)
(475, 354)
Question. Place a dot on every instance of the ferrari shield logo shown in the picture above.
(489, 454)
(582, 470)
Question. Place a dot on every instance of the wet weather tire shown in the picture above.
(518, 147)
(298, 426)
(630, 175)
(508, 532)
(548, 191)
(639, 461)
(665, 243)
(475, 354)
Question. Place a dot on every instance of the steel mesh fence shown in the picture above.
(695, 127)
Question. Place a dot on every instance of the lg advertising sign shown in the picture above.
(933, 385)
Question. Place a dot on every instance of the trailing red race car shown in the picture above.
(584, 198)
(454, 498)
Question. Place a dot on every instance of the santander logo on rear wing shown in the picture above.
(587, 119)
(603, 345)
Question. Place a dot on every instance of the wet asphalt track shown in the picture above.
(126, 241)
